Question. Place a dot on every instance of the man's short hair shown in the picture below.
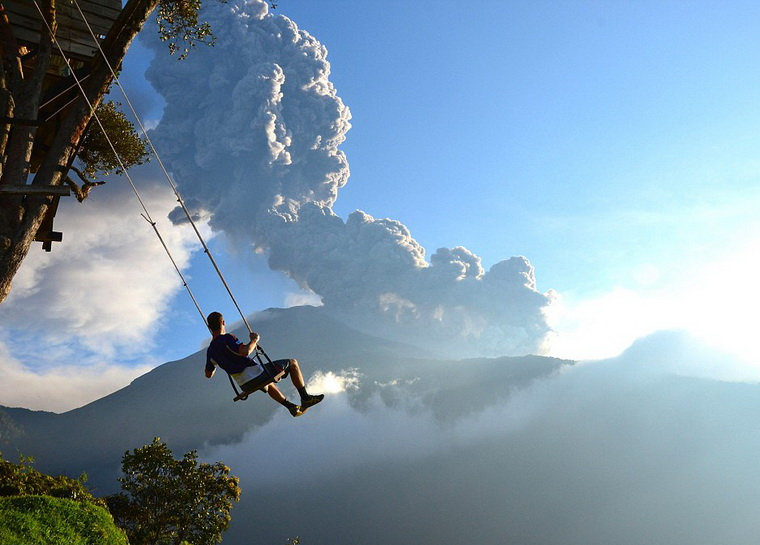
(214, 321)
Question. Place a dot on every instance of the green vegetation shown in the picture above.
(165, 501)
(96, 153)
(178, 22)
(169, 502)
(37, 508)
(23, 480)
(44, 520)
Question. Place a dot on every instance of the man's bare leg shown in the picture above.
(307, 400)
(275, 393)
(296, 376)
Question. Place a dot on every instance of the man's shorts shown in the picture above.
(273, 372)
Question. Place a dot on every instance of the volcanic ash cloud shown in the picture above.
(252, 129)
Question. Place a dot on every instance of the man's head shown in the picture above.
(215, 322)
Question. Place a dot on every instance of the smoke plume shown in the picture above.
(252, 129)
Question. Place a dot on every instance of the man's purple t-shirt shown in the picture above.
(223, 351)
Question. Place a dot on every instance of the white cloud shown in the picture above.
(302, 299)
(720, 301)
(59, 387)
(263, 135)
(606, 324)
(340, 438)
(96, 299)
(333, 383)
(109, 282)
(717, 302)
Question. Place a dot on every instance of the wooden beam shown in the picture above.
(59, 190)
(50, 236)
(21, 121)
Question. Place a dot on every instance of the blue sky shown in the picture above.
(513, 125)
(613, 144)
(591, 137)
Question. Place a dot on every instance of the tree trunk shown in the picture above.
(21, 216)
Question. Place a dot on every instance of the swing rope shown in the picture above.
(168, 177)
(146, 214)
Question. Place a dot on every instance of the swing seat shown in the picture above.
(259, 383)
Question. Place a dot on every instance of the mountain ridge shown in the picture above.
(176, 402)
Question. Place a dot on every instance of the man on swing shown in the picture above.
(226, 351)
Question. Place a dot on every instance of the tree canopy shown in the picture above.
(95, 153)
(23, 479)
(168, 501)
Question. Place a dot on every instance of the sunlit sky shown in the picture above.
(613, 144)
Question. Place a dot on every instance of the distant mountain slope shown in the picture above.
(613, 452)
(176, 402)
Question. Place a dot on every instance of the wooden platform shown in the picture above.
(72, 32)
(50, 190)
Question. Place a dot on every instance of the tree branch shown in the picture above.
(82, 175)
(81, 192)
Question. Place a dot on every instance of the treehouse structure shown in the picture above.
(72, 34)
(60, 88)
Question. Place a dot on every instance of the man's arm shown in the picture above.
(246, 349)
(210, 367)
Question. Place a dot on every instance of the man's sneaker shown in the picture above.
(310, 401)
(295, 410)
